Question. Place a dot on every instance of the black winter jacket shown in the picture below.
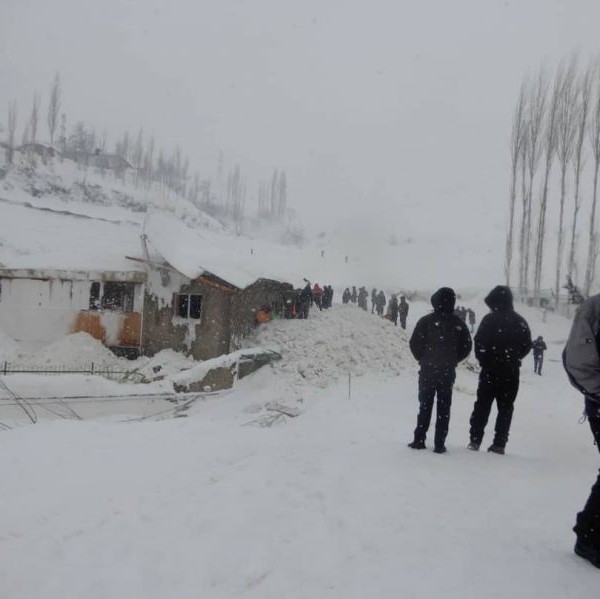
(503, 338)
(441, 339)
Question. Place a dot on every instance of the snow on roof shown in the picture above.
(33, 238)
(200, 251)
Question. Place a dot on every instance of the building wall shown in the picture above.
(246, 303)
(37, 312)
(203, 339)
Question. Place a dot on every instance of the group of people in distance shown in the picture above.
(466, 315)
(441, 340)
(297, 302)
(396, 310)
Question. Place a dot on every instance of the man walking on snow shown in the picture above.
(502, 340)
(439, 342)
(581, 359)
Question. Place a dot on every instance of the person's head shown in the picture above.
(402, 298)
(500, 299)
(443, 300)
(540, 338)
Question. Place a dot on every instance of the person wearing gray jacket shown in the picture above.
(581, 359)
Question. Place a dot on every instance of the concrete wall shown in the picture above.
(205, 338)
(246, 303)
(37, 312)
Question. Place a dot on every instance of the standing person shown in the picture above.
(317, 294)
(502, 340)
(471, 319)
(581, 359)
(380, 303)
(362, 298)
(373, 300)
(354, 294)
(393, 309)
(538, 347)
(305, 301)
(439, 342)
(403, 311)
(346, 296)
(326, 297)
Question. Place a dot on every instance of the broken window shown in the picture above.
(118, 296)
(95, 296)
(188, 305)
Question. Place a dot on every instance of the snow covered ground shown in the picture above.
(330, 503)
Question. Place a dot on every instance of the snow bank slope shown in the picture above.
(331, 344)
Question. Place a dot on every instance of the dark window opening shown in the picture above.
(188, 306)
(183, 302)
(118, 296)
(195, 306)
(95, 296)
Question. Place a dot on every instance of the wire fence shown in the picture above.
(120, 376)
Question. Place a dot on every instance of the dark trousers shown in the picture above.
(503, 387)
(538, 360)
(403, 321)
(435, 381)
(304, 307)
(318, 302)
(587, 527)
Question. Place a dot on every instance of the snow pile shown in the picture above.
(165, 363)
(201, 369)
(331, 344)
(78, 350)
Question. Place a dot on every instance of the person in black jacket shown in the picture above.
(439, 342)
(306, 297)
(403, 311)
(346, 296)
(502, 340)
(393, 309)
(538, 347)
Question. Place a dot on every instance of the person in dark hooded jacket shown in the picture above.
(581, 359)
(439, 342)
(502, 340)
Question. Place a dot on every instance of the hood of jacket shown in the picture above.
(443, 300)
(500, 299)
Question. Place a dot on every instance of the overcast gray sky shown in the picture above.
(366, 104)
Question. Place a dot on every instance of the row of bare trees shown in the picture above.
(30, 129)
(151, 165)
(554, 160)
(272, 196)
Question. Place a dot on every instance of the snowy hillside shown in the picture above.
(60, 206)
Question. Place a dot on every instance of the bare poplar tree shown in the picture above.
(590, 270)
(35, 117)
(549, 142)
(149, 163)
(54, 107)
(11, 131)
(25, 135)
(137, 154)
(516, 143)
(523, 161)
(282, 200)
(536, 113)
(584, 95)
(273, 196)
(566, 129)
